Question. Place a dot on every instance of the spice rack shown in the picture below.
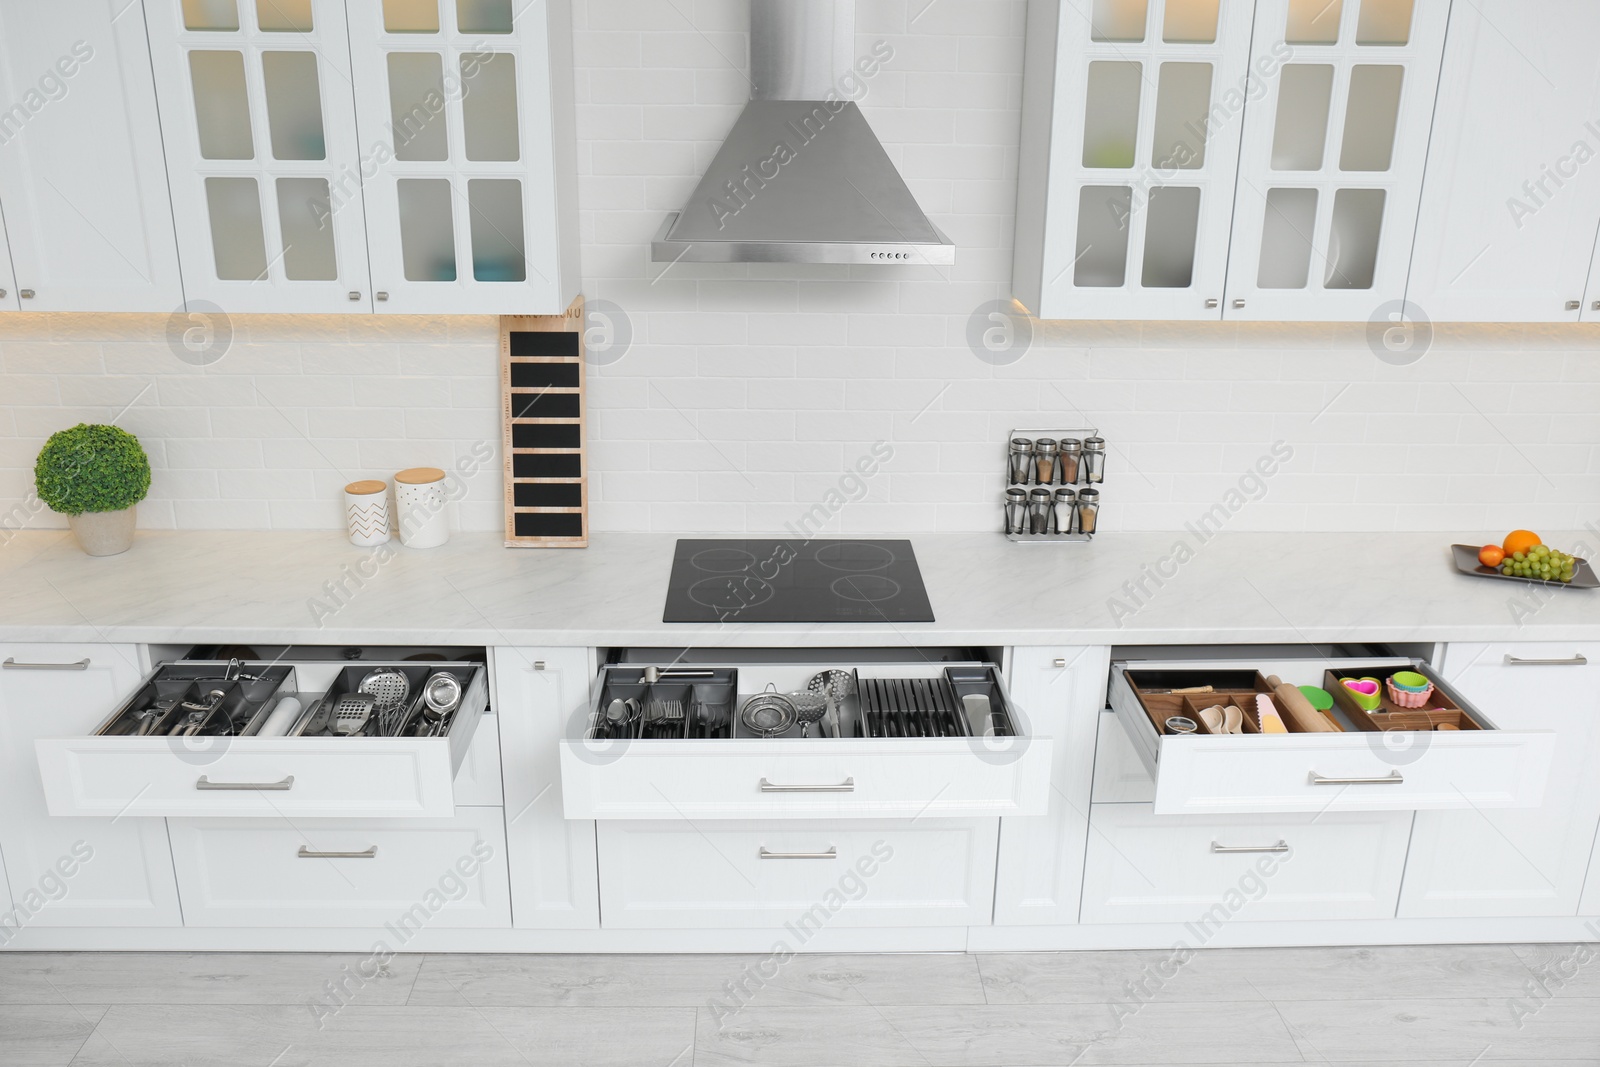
(1053, 479)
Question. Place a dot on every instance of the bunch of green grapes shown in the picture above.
(1542, 562)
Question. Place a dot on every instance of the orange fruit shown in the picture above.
(1520, 541)
(1491, 555)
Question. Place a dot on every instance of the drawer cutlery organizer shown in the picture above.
(216, 699)
(706, 704)
(189, 740)
(1159, 693)
(1445, 755)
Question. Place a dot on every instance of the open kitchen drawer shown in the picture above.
(1386, 761)
(224, 767)
(886, 762)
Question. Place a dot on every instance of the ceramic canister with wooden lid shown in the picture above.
(420, 500)
(366, 513)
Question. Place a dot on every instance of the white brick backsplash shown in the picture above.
(751, 389)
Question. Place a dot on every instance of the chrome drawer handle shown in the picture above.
(846, 786)
(13, 665)
(369, 854)
(1281, 846)
(831, 854)
(280, 787)
(1392, 778)
(1578, 660)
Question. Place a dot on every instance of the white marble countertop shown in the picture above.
(314, 587)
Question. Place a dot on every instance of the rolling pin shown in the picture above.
(1305, 715)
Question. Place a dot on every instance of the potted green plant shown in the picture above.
(94, 475)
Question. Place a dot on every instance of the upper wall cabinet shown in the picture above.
(1194, 159)
(1131, 125)
(1511, 201)
(82, 184)
(260, 133)
(468, 150)
(1331, 168)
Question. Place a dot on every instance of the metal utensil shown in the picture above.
(199, 714)
(351, 713)
(830, 718)
(809, 707)
(768, 713)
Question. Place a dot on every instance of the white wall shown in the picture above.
(748, 391)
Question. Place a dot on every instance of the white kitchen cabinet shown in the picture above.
(95, 772)
(1511, 203)
(1126, 185)
(1332, 158)
(465, 111)
(802, 876)
(1207, 871)
(122, 867)
(551, 858)
(82, 178)
(404, 875)
(1494, 862)
(853, 776)
(1040, 868)
(1352, 770)
(258, 120)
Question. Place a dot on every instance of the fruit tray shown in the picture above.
(1466, 560)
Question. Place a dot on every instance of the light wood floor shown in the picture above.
(1418, 1006)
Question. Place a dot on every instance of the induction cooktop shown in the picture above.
(796, 581)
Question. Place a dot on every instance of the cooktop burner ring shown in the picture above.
(865, 588)
(729, 594)
(724, 559)
(877, 556)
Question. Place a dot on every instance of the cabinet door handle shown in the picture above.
(831, 854)
(1281, 846)
(1577, 660)
(12, 665)
(2, 294)
(1211, 304)
(275, 787)
(380, 295)
(1238, 303)
(1392, 778)
(355, 294)
(846, 786)
(26, 294)
(1059, 661)
(1574, 305)
(369, 854)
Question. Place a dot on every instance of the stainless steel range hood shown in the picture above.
(802, 178)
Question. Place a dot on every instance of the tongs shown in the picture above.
(199, 714)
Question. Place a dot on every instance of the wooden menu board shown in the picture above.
(543, 432)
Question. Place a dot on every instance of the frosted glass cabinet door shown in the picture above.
(8, 285)
(261, 152)
(1138, 105)
(1331, 166)
(1511, 202)
(465, 114)
(82, 179)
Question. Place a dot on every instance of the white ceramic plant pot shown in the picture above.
(420, 501)
(103, 533)
(366, 513)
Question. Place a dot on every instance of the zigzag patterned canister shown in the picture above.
(366, 513)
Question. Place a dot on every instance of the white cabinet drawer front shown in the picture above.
(800, 876)
(931, 778)
(1143, 867)
(1350, 771)
(401, 875)
(323, 776)
(348, 777)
